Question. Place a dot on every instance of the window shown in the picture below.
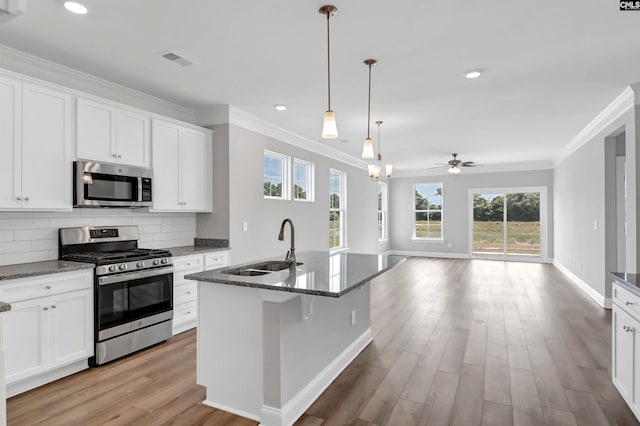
(337, 209)
(303, 180)
(382, 211)
(276, 176)
(427, 208)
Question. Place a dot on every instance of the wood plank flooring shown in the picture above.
(459, 342)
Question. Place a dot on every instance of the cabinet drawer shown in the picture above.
(626, 299)
(185, 293)
(187, 263)
(185, 312)
(31, 288)
(214, 260)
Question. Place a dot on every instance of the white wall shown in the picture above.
(32, 237)
(579, 199)
(263, 217)
(456, 208)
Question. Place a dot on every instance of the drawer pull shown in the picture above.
(188, 312)
(188, 263)
(628, 303)
(188, 292)
(48, 287)
(45, 308)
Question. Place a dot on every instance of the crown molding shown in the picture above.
(51, 73)
(623, 103)
(493, 168)
(233, 115)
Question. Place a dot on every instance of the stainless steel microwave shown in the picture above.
(110, 185)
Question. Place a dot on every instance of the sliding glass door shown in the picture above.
(507, 224)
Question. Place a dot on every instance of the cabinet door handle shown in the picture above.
(188, 263)
(628, 303)
(188, 312)
(53, 306)
(45, 308)
(114, 155)
(119, 155)
(188, 292)
(19, 198)
(26, 198)
(48, 287)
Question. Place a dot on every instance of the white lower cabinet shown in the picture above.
(185, 292)
(48, 333)
(626, 347)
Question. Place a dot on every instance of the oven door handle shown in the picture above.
(128, 276)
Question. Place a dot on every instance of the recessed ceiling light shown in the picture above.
(281, 107)
(75, 7)
(473, 74)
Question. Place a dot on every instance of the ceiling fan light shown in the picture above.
(388, 169)
(329, 128)
(454, 170)
(367, 148)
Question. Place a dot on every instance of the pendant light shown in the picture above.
(329, 128)
(367, 148)
(375, 170)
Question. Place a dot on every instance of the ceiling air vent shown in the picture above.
(176, 58)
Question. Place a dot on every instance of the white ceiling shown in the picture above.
(551, 66)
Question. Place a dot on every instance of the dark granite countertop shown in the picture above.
(26, 270)
(187, 250)
(4, 307)
(629, 281)
(321, 273)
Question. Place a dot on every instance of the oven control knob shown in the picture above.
(163, 261)
(122, 267)
(156, 262)
(140, 264)
(112, 268)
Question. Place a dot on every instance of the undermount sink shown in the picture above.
(261, 268)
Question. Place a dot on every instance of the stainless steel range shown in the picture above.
(133, 288)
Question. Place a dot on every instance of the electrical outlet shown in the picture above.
(353, 317)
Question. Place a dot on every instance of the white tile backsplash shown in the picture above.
(33, 236)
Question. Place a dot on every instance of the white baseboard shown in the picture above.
(231, 410)
(590, 291)
(44, 378)
(287, 415)
(430, 254)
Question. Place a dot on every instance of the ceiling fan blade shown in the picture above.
(466, 163)
(472, 165)
(438, 167)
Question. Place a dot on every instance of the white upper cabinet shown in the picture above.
(181, 168)
(35, 138)
(10, 141)
(114, 135)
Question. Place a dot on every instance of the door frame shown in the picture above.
(544, 225)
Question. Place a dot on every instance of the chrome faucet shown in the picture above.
(291, 254)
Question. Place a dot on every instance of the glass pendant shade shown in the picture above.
(367, 148)
(373, 170)
(329, 129)
(454, 170)
(388, 169)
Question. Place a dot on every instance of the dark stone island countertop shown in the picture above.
(34, 269)
(629, 281)
(320, 274)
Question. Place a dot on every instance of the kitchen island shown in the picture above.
(269, 344)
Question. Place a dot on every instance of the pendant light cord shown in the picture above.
(369, 107)
(328, 63)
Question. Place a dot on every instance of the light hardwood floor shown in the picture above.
(455, 342)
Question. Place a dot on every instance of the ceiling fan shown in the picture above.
(455, 165)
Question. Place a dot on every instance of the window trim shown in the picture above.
(384, 211)
(414, 211)
(311, 172)
(286, 175)
(342, 210)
